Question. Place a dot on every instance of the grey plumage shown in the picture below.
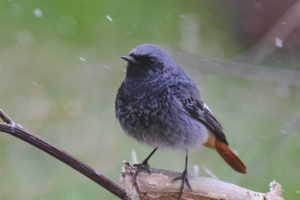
(160, 105)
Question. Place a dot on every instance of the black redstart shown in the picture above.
(160, 105)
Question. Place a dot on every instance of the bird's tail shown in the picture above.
(231, 158)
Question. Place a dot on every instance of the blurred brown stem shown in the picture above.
(251, 72)
(261, 49)
(15, 130)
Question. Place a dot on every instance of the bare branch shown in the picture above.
(5, 117)
(265, 45)
(158, 186)
(243, 70)
(15, 130)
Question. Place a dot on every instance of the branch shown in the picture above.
(158, 185)
(246, 71)
(15, 130)
(266, 45)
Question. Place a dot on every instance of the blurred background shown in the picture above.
(60, 69)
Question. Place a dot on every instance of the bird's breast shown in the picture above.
(152, 115)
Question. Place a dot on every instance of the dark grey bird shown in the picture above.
(160, 105)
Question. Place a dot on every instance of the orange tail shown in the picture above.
(230, 157)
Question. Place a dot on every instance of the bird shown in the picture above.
(160, 105)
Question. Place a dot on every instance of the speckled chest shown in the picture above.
(143, 107)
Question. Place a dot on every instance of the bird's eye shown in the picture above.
(152, 60)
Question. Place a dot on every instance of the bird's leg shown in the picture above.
(183, 177)
(144, 164)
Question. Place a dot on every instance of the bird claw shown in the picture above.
(184, 179)
(144, 165)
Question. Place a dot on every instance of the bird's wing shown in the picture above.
(198, 110)
(188, 96)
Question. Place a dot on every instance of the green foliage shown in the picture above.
(46, 87)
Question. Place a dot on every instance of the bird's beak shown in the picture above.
(129, 59)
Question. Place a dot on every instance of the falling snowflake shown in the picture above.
(82, 59)
(109, 18)
(37, 12)
(278, 42)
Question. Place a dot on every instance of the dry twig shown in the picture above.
(15, 130)
(158, 186)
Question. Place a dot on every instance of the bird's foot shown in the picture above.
(184, 179)
(144, 165)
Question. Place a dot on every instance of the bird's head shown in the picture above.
(146, 59)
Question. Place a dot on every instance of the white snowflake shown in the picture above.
(109, 18)
(37, 12)
(82, 59)
(278, 42)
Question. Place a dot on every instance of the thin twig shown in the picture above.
(5, 117)
(208, 172)
(15, 130)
